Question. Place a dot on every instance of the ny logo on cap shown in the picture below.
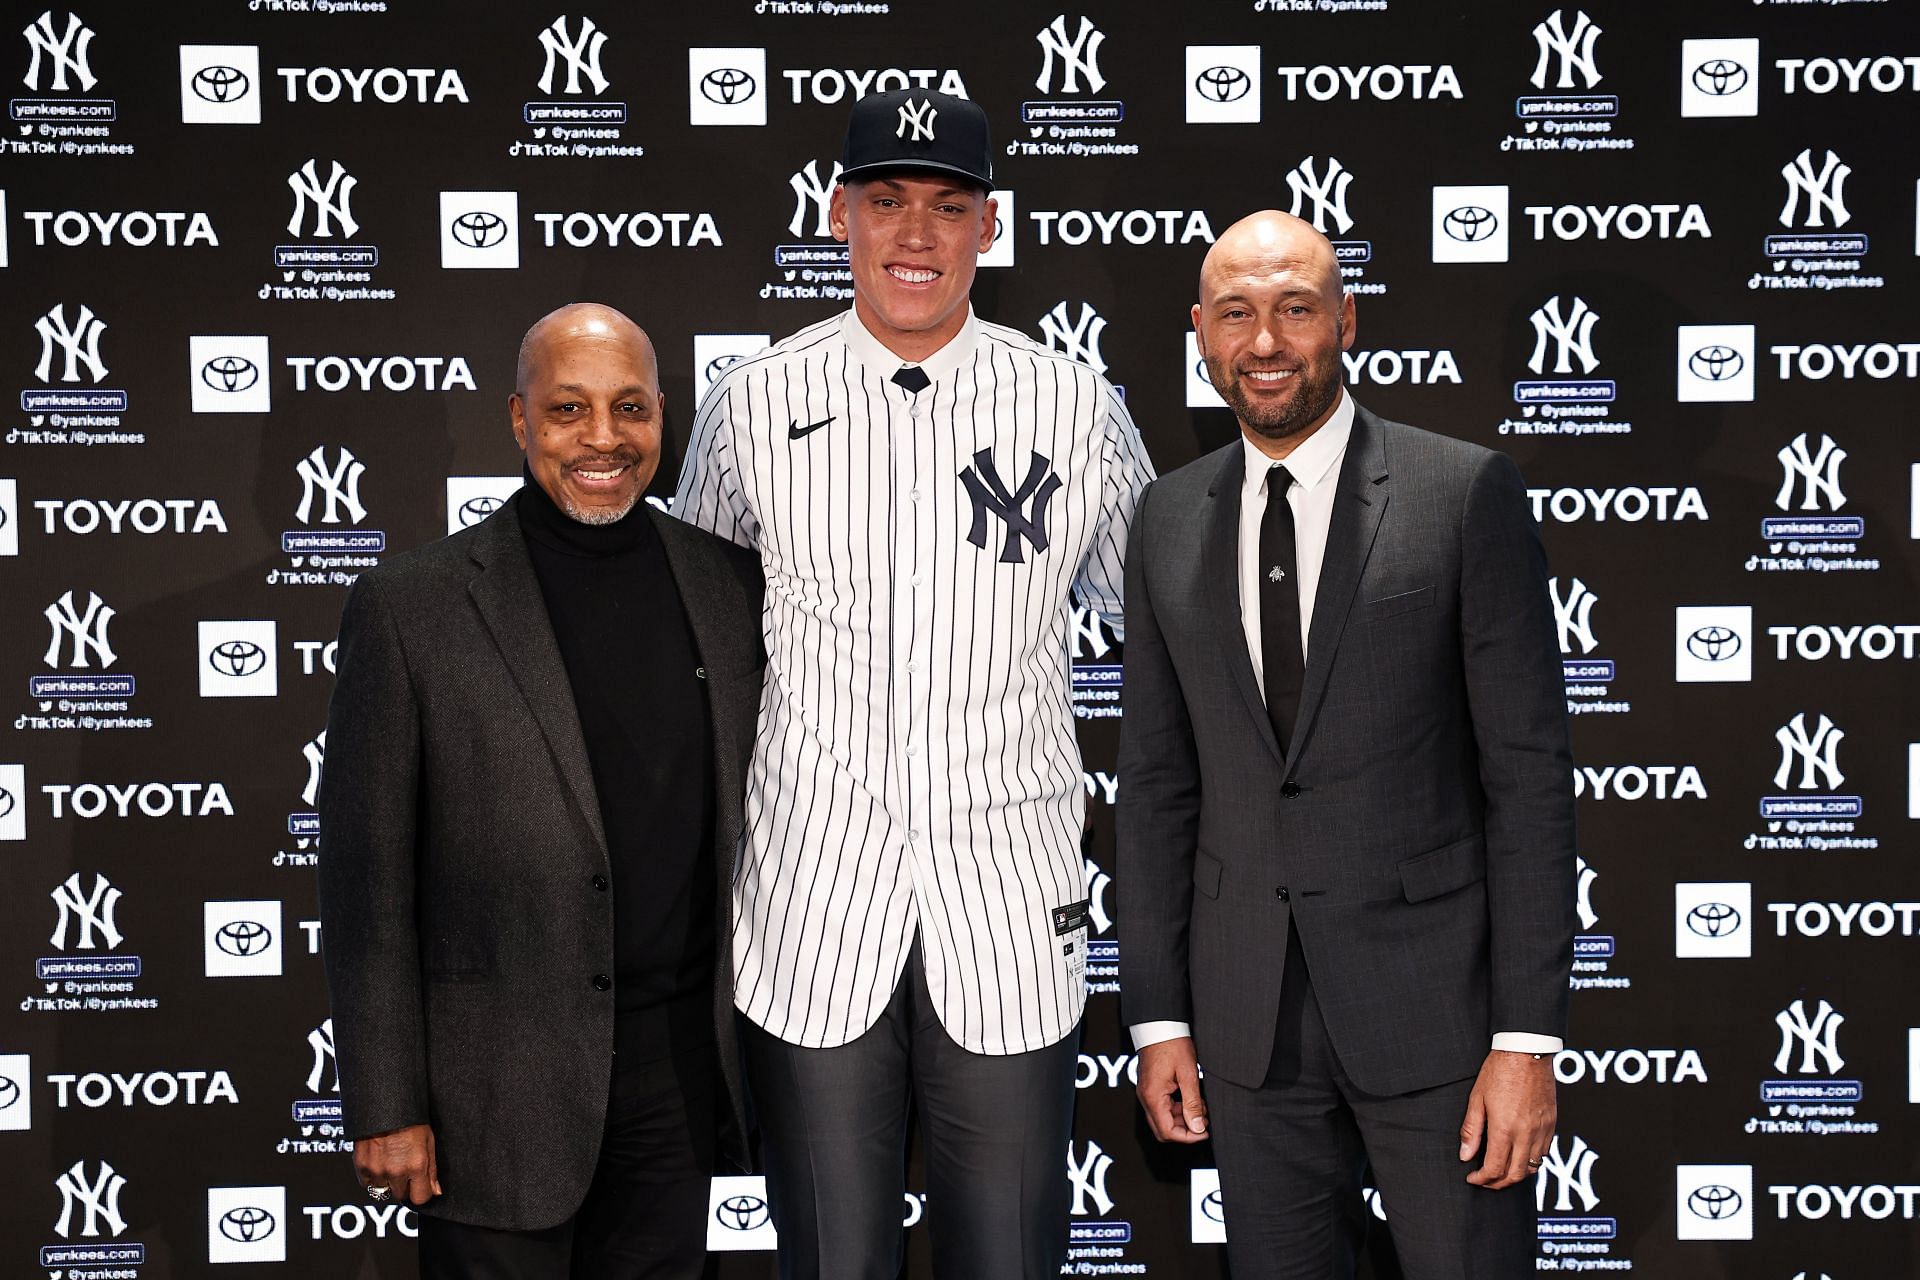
(917, 116)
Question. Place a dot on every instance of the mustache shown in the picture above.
(600, 461)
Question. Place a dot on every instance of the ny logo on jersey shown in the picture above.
(1825, 191)
(320, 1040)
(1816, 1037)
(1818, 753)
(1328, 192)
(917, 117)
(811, 193)
(1079, 55)
(1574, 47)
(92, 911)
(1570, 1174)
(87, 632)
(100, 1198)
(67, 52)
(582, 55)
(1024, 510)
(1819, 471)
(331, 200)
(78, 343)
(1571, 333)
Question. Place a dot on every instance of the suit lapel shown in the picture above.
(1357, 509)
(508, 597)
(1220, 566)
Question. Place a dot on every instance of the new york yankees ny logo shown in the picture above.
(917, 116)
(989, 493)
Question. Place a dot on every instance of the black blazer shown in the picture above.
(462, 836)
(1420, 822)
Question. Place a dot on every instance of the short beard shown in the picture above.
(598, 515)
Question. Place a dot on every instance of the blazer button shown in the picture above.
(601, 982)
(1281, 893)
(1289, 789)
(600, 883)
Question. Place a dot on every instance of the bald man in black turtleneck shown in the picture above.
(532, 799)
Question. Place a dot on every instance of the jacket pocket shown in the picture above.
(1206, 873)
(1455, 866)
(1402, 602)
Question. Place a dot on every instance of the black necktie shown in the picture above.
(1282, 664)
(912, 377)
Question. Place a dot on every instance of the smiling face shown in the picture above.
(587, 412)
(914, 241)
(1272, 321)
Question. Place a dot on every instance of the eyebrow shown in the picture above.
(1299, 291)
(576, 389)
(895, 185)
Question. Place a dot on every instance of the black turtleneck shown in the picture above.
(631, 659)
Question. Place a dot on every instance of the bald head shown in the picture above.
(593, 321)
(1267, 242)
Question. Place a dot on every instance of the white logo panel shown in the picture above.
(239, 659)
(1200, 392)
(230, 374)
(480, 230)
(1719, 78)
(220, 84)
(1714, 362)
(1470, 224)
(13, 802)
(1713, 920)
(471, 499)
(715, 353)
(1001, 252)
(1713, 1202)
(737, 1216)
(1713, 644)
(16, 1091)
(247, 1224)
(727, 86)
(1223, 84)
(243, 939)
(9, 518)
(1207, 1211)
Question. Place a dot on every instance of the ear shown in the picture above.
(989, 224)
(516, 411)
(1347, 327)
(1199, 334)
(837, 213)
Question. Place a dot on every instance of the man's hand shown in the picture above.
(1170, 1091)
(1513, 1109)
(401, 1161)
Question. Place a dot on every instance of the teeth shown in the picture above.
(599, 475)
(911, 276)
(1269, 375)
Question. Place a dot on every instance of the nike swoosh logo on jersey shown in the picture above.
(795, 431)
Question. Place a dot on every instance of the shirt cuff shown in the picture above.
(1526, 1042)
(1146, 1033)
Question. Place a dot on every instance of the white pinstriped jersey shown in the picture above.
(916, 765)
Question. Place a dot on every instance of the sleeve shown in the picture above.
(1516, 696)
(368, 867)
(711, 494)
(1125, 471)
(1158, 818)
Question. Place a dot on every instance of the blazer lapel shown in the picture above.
(508, 597)
(1357, 508)
(1220, 567)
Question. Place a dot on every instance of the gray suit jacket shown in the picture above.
(462, 835)
(1421, 820)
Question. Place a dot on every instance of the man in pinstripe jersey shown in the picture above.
(925, 491)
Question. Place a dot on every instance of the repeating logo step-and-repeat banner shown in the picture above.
(266, 263)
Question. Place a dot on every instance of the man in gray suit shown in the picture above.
(532, 796)
(1346, 811)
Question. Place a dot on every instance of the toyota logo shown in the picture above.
(474, 510)
(1714, 644)
(720, 364)
(1223, 84)
(1200, 370)
(220, 84)
(1470, 224)
(237, 658)
(243, 937)
(1713, 920)
(1212, 1209)
(728, 86)
(229, 373)
(1714, 1202)
(741, 1213)
(6, 802)
(1720, 77)
(479, 229)
(246, 1224)
(1716, 363)
(9, 1092)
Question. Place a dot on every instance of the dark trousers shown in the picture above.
(645, 1215)
(834, 1137)
(1292, 1153)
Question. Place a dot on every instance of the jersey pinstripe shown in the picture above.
(915, 765)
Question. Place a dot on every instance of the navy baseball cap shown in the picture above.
(917, 131)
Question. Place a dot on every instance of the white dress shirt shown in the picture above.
(1315, 467)
(915, 768)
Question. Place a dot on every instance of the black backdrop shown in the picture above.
(1728, 187)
